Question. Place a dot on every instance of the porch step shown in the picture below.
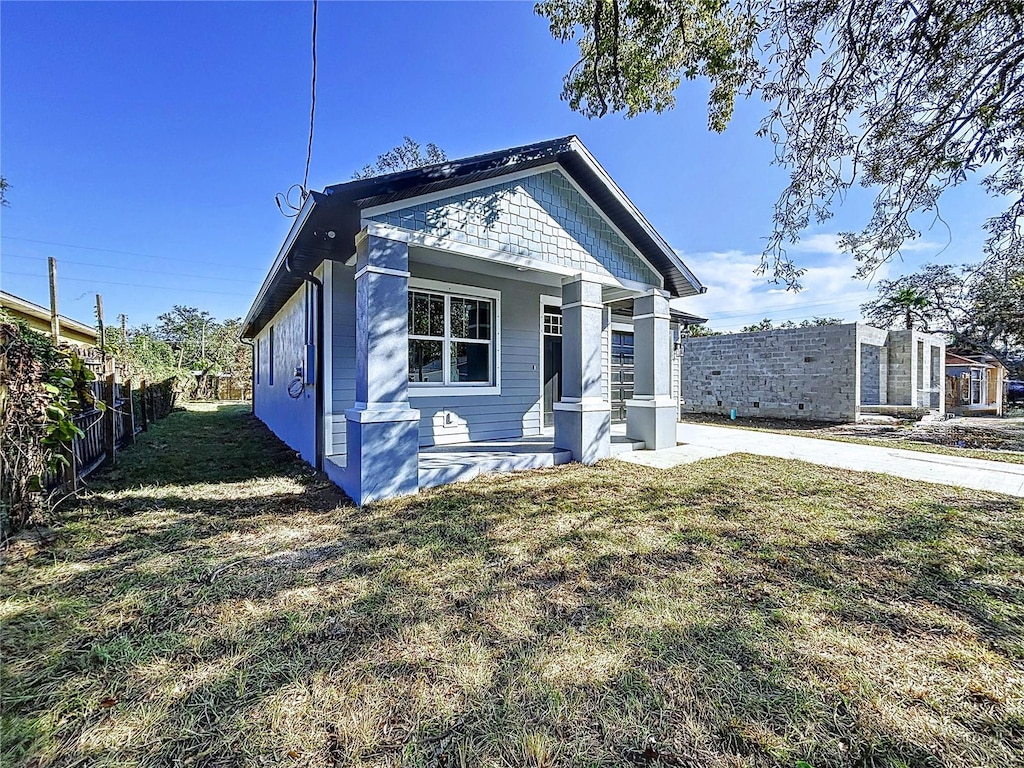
(623, 444)
(439, 466)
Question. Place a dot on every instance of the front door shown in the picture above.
(622, 373)
(552, 373)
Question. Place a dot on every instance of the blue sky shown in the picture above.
(144, 143)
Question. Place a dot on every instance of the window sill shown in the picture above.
(452, 391)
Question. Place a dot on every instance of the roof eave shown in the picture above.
(293, 233)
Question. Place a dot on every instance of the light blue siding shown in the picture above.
(343, 351)
(516, 411)
(542, 216)
(293, 419)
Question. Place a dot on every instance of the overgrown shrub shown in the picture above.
(42, 388)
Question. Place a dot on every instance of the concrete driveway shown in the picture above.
(700, 441)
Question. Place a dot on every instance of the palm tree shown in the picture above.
(909, 302)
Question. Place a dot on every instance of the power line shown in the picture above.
(283, 199)
(312, 109)
(129, 269)
(110, 250)
(761, 310)
(134, 285)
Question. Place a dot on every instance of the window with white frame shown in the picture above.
(451, 339)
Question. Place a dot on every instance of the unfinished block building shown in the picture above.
(820, 373)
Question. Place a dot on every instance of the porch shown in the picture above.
(442, 464)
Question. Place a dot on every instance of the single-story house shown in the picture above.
(974, 384)
(493, 312)
(815, 373)
(38, 319)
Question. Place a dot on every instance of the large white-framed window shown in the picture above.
(454, 339)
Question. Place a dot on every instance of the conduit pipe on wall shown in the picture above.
(318, 382)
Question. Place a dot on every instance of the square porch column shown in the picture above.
(382, 431)
(651, 414)
(583, 416)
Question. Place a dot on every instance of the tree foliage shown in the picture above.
(767, 324)
(404, 157)
(908, 98)
(42, 389)
(189, 344)
(4, 186)
(978, 306)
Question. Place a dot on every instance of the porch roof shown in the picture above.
(328, 223)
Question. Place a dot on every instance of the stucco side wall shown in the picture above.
(796, 373)
(293, 419)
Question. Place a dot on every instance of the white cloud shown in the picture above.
(736, 296)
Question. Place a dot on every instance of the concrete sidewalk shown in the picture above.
(700, 441)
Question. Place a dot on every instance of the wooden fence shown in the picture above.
(127, 411)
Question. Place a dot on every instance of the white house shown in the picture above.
(490, 313)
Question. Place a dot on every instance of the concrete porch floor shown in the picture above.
(442, 464)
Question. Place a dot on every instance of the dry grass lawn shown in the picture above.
(214, 604)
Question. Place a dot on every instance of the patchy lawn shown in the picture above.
(214, 604)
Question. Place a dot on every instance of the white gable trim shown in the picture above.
(433, 197)
(609, 182)
(379, 210)
(433, 242)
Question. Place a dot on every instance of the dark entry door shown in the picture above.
(622, 373)
(552, 374)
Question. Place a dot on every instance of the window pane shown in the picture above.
(425, 361)
(480, 321)
(436, 316)
(460, 317)
(419, 317)
(470, 362)
(471, 319)
(426, 314)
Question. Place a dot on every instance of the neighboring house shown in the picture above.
(818, 373)
(38, 318)
(974, 384)
(410, 318)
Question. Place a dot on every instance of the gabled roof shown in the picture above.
(965, 359)
(30, 309)
(328, 222)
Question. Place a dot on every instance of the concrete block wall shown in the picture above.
(797, 373)
(902, 369)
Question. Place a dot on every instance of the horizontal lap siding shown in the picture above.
(343, 350)
(516, 411)
(293, 419)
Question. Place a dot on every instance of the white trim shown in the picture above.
(623, 327)
(584, 153)
(327, 353)
(470, 291)
(282, 254)
(381, 271)
(423, 240)
(458, 290)
(606, 332)
(615, 229)
(432, 197)
(589, 405)
(379, 210)
(651, 401)
(545, 300)
(452, 390)
(590, 304)
(655, 315)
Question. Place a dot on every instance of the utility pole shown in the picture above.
(124, 328)
(99, 319)
(54, 316)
